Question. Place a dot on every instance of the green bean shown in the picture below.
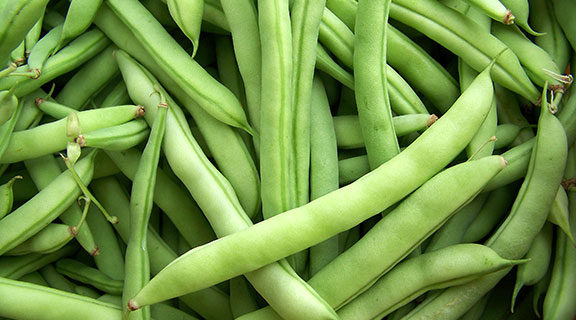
(305, 19)
(558, 303)
(447, 267)
(241, 300)
(91, 78)
(210, 303)
(15, 267)
(51, 137)
(559, 213)
(195, 81)
(34, 277)
(520, 9)
(8, 105)
(453, 230)
(45, 169)
(17, 18)
(56, 280)
(188, 15)
(18, 55)
(354, 199)
(78, 18)
(110, 259)
(117, 96)
(466, 39)
(494, 9)
(16, 297)
(33, 35)
(528, 214)
(25, 221)
(228, 71)
(43, 50)
(371, 84)
(554, 41)
(349, 170)
(562, 8)
(30, 115)
(7, 196)
(323, 167)
(349, 136)
(243, 19)
(538, 63)
(120, 137)
(540, 253)
(496, 206)
(475, 313)
(175, 203)
(224, 211)
(509, 112)
(81, 272)
(506, 133)
(53, 237)
(325, 63)
(86, 292)
(73, 55)
(141, 202)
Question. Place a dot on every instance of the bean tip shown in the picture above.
(39, 101)
(132, 305)
(80, 140)
(508, 18)
(140, 112)
(95, 252)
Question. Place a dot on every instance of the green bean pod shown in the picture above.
(494, 9)
(18, 55)
(212, 96)
(453, 230)
(33, 35)
(141, 202)
(25, 221)
(494, 209)
(7, 196)
(175, 202)
(558, 303)
(81, 272)
(7, 129)
(243, 19)
(53, 237)
(188, 15)
(521, 10)
(371, 84)
(358, 201)
(539, 65)
(305, 19)
(563, 9)
(527, 216)
(73, 55)
(16, 19)
(554, 41)
(43, 50)
(117, 96)
(466, 39)
(539, 254)
(559, 213)
(323, 168)
(120, 137)
(79, 17)
(351, 169)
(325, 63)
(16, 297)
(51, 137)
(349, 135)
(505, 135)
(35, 278)
(447, 267)
(8, 104)
(16, 267)
(91, 78)
(110, 258)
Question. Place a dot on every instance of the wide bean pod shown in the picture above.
(81, 272)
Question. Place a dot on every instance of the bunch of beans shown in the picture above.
(287, 159)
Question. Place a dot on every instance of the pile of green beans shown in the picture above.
(287, 159)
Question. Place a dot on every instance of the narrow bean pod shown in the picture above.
(78, 18)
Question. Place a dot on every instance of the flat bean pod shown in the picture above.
(53, 237)
(81, 272)
(43, 50)
(120, 137)
(78, 18)
(188, 15)
(16, 267)
(7, 196)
